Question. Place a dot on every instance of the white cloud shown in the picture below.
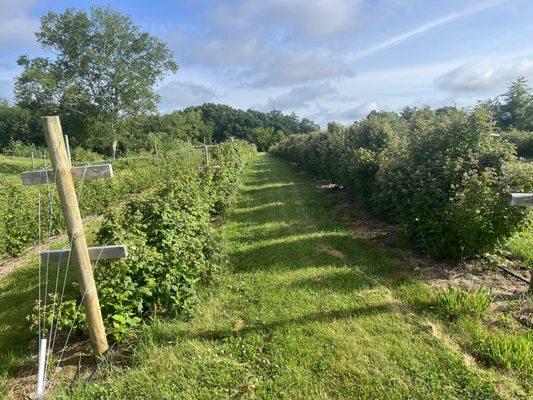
(304, 19)
(487, 80)
(301, 67)
(184, 93)
(359, 112)
(300, 96)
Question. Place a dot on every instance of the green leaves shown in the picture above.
(105, 70)
(439, 174)
(170, 240)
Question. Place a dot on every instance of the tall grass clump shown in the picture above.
(439, 175)
(512, 351)
(455, 303)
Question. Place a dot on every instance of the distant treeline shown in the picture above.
(511, 115)
(214, 122)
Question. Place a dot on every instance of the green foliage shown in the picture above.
(429, 172)
(517, 107)
(523, 140)
(455, 303)
(17, 124)
(262, 129)
(170, 241)
(19, 149)
(510, 350)
(19, 205)
(105, 69)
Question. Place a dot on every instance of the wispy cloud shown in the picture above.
(423, 28)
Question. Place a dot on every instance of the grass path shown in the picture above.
(307, 311)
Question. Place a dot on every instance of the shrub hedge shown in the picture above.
(170, 239)
(440, 175)
(19, 205)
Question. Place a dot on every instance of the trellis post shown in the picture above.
(65, 175)
(206, 154)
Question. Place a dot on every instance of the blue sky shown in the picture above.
(323, 59)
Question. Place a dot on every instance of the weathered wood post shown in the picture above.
(71, 211)
(524, 200)
(67, 147)
(32, 160)
(206, 154)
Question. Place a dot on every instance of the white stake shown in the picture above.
(42, 363)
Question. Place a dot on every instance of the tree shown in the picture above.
(16, 124)
(308, 126)
(517, 106)
(104, 71)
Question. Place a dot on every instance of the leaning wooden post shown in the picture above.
(69, 205)
(67, 147)
(525, 200)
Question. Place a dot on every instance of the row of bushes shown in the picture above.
(21, 215)
(170, 239)
(440, 175)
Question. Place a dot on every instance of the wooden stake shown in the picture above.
(114, 150)
(206, 154)
(71, 211)
(32, 161)
(67, 147)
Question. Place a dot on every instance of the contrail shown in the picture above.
(409, 34)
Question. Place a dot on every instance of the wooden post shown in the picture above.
(206, 154)
(67, 147)
(69, 205)
(114, 150)
(32, 161)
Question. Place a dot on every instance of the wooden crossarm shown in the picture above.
(521, 199)
(95, 254)
(78, 173)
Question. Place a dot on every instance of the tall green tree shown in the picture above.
(104, 71)
(515, 111)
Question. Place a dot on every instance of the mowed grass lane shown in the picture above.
(306, 311)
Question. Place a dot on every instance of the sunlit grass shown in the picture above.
(306, 310)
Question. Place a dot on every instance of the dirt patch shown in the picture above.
(239, 325)
(77, 362)
(299, 203)
(335, 253)
(450, 343)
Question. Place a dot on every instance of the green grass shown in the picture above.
(307, 310)
(455, 303)
(512, 351)
(520, 245)
(11, 167)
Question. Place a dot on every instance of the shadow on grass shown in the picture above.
(164, 336)
(346, 281)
